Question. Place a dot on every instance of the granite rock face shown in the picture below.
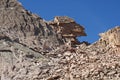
(34, 49)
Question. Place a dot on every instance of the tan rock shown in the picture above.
(68, 28)
(112, 36)
(63, 19)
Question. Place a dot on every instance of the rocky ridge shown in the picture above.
(24, 27)
(33, 49)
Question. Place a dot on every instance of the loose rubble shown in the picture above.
(33, 49)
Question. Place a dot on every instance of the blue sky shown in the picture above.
(95, 15)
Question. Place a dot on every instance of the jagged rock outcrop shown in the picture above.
(112, 36)
(29, 29)
(24, 37)
(22, 26)
(67, 28)
(109, 40)
(22, 34)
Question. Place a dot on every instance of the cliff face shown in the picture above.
(22, 26)
(34, 49)
(29, 29)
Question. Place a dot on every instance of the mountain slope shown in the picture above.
(24, 27)
(34, 49)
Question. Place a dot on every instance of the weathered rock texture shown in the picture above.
(112, 37)
(22, 26)
(30, 49)
(67, 28)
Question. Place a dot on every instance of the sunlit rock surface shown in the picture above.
(34, 49)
